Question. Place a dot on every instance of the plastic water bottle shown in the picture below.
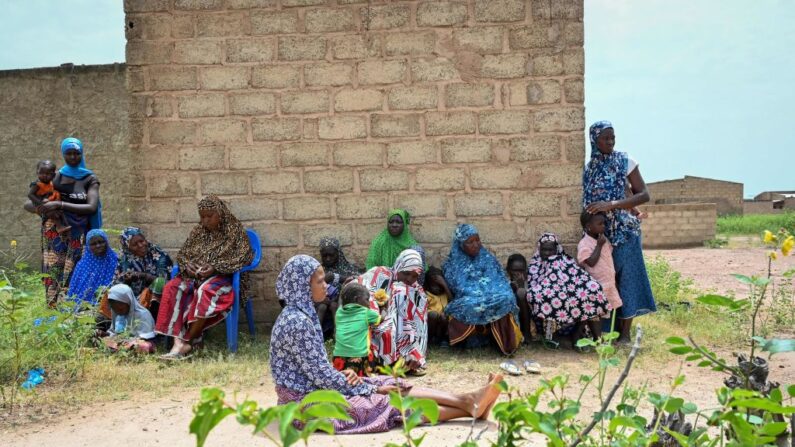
(119, 324)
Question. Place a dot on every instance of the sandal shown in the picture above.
(419, 372)
(510, 367)
(552, 345)
(175, 357)
(532, 367)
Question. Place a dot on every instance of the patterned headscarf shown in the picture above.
(343, 268)
(408, 261)
(292, 286)
(605, 179)
(92, 272)
(481, 289)
(139, 321)
(155, 262)
(421, 251)
(385, 248)
(549, 237)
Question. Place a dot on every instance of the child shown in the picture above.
(352, 324)
(43, 191)
(562, 293)
(438, 295)
(516, 267)
(595, 255)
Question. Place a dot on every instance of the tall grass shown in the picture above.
(755, 224)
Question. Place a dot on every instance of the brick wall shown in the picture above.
(40, 107)
(678, 225)
(728, 196)
(314, 117)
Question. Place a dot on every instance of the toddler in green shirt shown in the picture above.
(352, 323)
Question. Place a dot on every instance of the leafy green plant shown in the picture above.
(755, 224)
(716, 242)
(33, 335)
(413, 411)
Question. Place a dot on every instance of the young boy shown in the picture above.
(595, 255)
(352, 324)
(42, 191)
(516, 268)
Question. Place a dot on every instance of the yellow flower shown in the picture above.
(787, 246)
(13, 244)
(381, 297)
(769, 237)
(772, 255)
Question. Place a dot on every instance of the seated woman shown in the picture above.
(401, 301)
(128, 316)
(300, 365)
(201, 296)
(94, 271)
(338, 272)
(143, 265)
(395, 238)
(483, 302)
(561, 293)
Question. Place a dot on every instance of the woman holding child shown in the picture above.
(202, 294)
(483, 302)
(78, 190)
(605, 180)
(300, 365)
(396, 294)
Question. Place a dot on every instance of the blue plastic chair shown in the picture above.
(234, 316)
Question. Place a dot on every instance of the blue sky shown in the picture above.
(698, 87)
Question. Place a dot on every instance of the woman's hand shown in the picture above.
(351, 377)
(386, 389)
(50, 206)
(600, 207)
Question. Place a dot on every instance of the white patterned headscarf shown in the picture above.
(292, 285)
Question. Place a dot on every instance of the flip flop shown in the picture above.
(419, 372)
(175, 357)
(532, 367)
(552, 345)
(511, 368)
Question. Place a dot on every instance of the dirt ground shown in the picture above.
(163, 420)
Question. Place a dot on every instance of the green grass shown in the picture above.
(756, 224)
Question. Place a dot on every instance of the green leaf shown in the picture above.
(743, 279)
(689, 408)
(720, 301)
(210, 411)
(762, 404)
(583, 342)
(329, 411)
(675, 340)
(777, 345)
(694, 356)
(791, 390)
(674, 404)
(427, 408)
(680, 438)
(704, 363)
(679, 350)
(775, 395)
(773, 428)
(324, 396)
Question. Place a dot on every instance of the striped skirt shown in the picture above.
(183, 302)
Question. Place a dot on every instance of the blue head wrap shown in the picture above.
(79, 172)
(481, 289)
(92, 272)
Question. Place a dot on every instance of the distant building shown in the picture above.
(727, 196)
(770, 202)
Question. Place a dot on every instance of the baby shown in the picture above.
(595, 255)
(352, 326)
(43, 191)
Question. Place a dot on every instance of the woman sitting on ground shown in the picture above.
(338, 272)
(401, 301)
(128, 316)
(561, 293)
(395, 238)
(300, 365)
(202, 294)
(94, 272)
(483, 302)
(143, 266)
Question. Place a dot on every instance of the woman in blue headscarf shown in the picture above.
(79, 190)
(483, 301)
(95, 269)
(604, 183)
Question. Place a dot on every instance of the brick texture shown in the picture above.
(679, 225)
(314, 117)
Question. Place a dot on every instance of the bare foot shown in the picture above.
(485, 398)
(487, 410)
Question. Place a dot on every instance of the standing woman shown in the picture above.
(605, 180)
(79, 189)
(395, 238)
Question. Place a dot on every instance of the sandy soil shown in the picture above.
(163, 421)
